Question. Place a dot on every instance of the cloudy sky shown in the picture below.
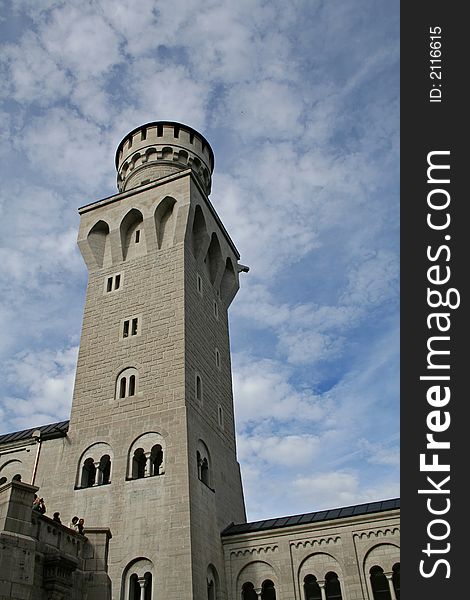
(299, 101)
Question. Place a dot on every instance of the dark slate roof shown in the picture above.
(314, 517)
(48, 432)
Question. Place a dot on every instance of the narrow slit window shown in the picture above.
(198, 389)
(159, 130)
(134, 326)
(132, 385)
(143, 134)
(137, 236)
(109, 285)
(191, 138)
(130, 142)
(125, 330)
(122, 388)
(217, 358)
(216, 310)
(221, 417)
(199, 284)
(177, 132)
(117, 282)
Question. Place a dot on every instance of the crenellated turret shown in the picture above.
(162, 148)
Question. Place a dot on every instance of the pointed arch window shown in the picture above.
(212, 583)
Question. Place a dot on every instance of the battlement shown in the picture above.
(161, 148)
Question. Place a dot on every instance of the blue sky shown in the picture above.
(299, 101)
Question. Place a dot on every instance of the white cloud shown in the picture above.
(34, 75)
(263, 392)
(70, 149)
(44, 380)
(265, 107)
(80, 40)
(342, 488)
(288, 451)
(168, 93)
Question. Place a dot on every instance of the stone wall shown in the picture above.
(44, 560)
(349, 547)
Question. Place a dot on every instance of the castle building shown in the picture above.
(148, 457)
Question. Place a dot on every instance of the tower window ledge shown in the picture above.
(145, 477)
(207, 486)
(89, 487)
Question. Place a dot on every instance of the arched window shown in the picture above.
(268, 591)
(212, 583)
(199, 233)
(148, 586)
(203, 463)
(95, 466)
(99, 243)
(379, 584)
(138, 464)
(213, 258)
(165, 221)
(312, 590)
(396, 579)
(11, 471)
(132, 385)
(134, 587)
(132, 235)
(104, 470)
(205, 471)
(248, 591)
(138, 581)
(126, 383)
(156, 459)
(332, 587)
(228, 285)
(88, 473)
(210, 590)
(199, 389)
(146, 456)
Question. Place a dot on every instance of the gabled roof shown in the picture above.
(314, 517)
(48, 432)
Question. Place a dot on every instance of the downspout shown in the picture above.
(37, 436)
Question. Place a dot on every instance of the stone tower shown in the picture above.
(150, 451)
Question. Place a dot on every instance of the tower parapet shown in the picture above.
(161, 148)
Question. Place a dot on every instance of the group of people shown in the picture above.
(38, 504)
(76, 524)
